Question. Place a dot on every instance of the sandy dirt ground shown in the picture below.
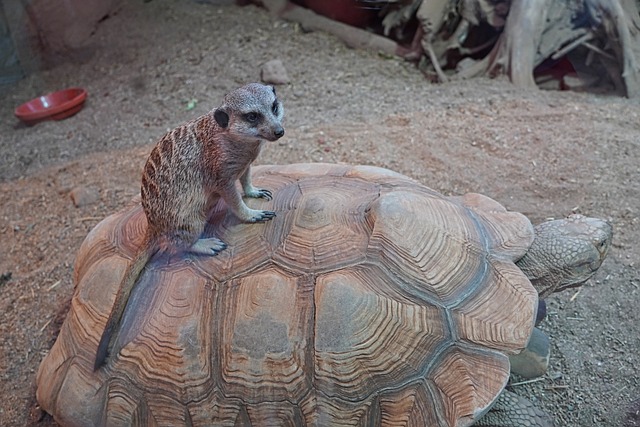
(546, 154)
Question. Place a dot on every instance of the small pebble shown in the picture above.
(273, 72)
(83, 196)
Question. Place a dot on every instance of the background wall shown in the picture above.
(38, 33)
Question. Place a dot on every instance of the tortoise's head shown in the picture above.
(566, 253)
(251, 113)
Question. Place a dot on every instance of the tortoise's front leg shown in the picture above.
(533, 361)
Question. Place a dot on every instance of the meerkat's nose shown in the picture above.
(278, 132)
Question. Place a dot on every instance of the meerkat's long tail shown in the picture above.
(131, 276)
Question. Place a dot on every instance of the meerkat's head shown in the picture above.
(250, 113)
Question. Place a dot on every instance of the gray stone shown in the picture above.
(83, 196)
(273, 72)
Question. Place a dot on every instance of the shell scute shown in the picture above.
(265, 321)
(169, 310)
(120, 234)
(365, 342)
(498, 315)
(321, 237)
(429, 242)
(465, 390)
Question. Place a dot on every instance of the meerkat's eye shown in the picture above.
(275, 106)
(252, 117)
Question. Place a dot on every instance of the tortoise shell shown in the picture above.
(369, 300)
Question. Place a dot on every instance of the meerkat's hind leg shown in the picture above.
(186, 237)
(209, 246)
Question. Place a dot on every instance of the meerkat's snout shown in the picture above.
(274, 133)
(278, 132)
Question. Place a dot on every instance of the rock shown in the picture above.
(71, 26)
(5, 277)
(273, 72)
(464, 64)
(275, 7)
(578, 82)
(83, 196)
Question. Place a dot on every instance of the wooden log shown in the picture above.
(351, 36)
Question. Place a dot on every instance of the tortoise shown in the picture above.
(370, 300)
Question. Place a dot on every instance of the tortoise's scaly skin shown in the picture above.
(369, 300)
(566, 253)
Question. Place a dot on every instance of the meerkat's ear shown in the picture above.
(221, 117)
(273, 88)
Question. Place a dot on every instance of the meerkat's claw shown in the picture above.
(263, 216)
(211, 246)
(265, 194)
(258, 193)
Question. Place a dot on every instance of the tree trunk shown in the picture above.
(621, 23)
(516, 49)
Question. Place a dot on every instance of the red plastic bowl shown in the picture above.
(57, 106)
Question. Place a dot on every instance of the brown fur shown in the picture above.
(188, 170)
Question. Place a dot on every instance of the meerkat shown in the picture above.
(188, 170)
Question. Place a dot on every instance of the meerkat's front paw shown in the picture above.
(258, 193)
(211, 246)
(261, 216)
